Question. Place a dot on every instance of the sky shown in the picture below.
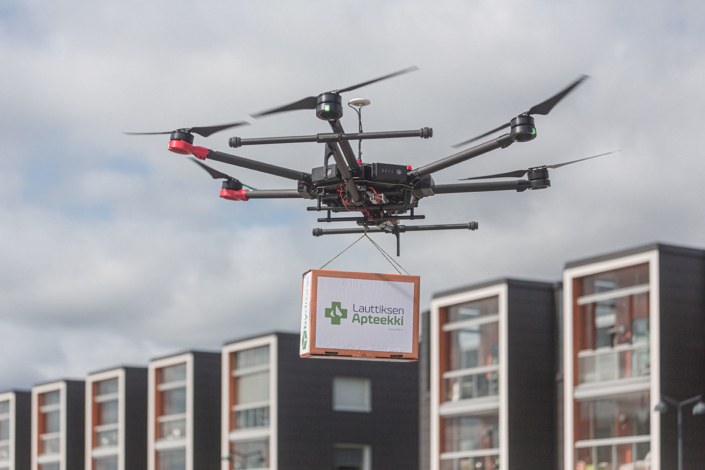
(114, 250)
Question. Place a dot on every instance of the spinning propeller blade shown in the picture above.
(310, 102)
(541, 108)
(204, 131)
(520, 173)
(217, 175)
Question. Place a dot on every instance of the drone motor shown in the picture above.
(329, 106)
(523, 129)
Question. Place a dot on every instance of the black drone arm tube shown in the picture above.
(517, 185)
(317, 232)
(273, 194)
(258, 166)
(346, 148)
(424, 133)
(500, 142)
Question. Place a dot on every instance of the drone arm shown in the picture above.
(344, 172)
(500, 142)
(517, 185)
(258, 166)
(273, 194)
(346, 147)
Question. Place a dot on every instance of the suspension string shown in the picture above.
(333, 259)
(386, 255)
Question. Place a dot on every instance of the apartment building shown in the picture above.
(282, 412)
(488, 377)
(634, 333)
(116, 419)
(183, 423)
(58, 421)
(15, 430)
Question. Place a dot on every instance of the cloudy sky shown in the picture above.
(114, 250)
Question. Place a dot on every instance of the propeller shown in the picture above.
(520, 173)
(204, 131)
(310, 102)
(542, 108)
(217, 175)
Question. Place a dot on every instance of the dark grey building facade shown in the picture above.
(284, 412)
(15, 430)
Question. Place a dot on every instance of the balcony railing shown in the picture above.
(466, 384)
(620, 362)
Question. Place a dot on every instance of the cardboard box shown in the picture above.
(360, 315)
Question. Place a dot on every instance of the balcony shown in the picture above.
(609, 364)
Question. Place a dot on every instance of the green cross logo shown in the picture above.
(335, 317)
(304, 340)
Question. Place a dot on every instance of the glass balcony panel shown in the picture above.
(252, 357)
(176, 373)
(106, 387)
(175, 429)
(469, 432)
(106, 438)
(4, 429)
(252, 388)
(173, 401)
(4, 407)
(608, 364)
(474, 309)
(490, 462)
(49, 466)
(473, 346)
(171, 459)
(106, 463)
(51, 421)
(624, 416)
(611, 280)
(471, 386)
(49, 446)
(4, 453)
(108, 412)
(51, 398)
(252, 418)
(636, 456)
(250, 454)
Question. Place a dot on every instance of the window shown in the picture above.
(351, 457)
(612, 325)
(171, 402)
(49, 466)
(250, 384)
(470, 350)
(49, 423)
(352, 394)
(4, 431)
(107, 463)
(105, 410)
(617, 456)
(171, 459)
(250, 453)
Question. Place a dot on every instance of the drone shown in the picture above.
(375, 196)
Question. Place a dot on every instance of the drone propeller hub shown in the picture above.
(232, 185)
(539, 178)
(182, 135)
(523, 129)
(329, 106)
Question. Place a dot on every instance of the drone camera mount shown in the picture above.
(329, 106)
(523, 129)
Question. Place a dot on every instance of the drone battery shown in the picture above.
(360, 316)
(323, 174)
(388, 173)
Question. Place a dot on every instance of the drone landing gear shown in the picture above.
(394, 229)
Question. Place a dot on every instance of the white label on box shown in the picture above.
(366, 315)
(305, 315)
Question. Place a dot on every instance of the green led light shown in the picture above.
(533, 131)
